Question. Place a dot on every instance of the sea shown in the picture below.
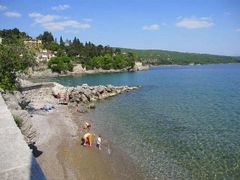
(183, 123)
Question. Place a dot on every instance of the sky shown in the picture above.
(201, 26)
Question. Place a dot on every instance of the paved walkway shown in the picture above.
(16, 160)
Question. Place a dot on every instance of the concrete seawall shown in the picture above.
(16, 159)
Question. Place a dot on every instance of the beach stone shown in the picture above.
(95, 93)
(80, 89)
(100, 89)
(92, 106)
(83, 98)
(58, 89)
(85, 85)
(87, 93)
(108, 89)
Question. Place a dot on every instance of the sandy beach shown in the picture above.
(59, 134)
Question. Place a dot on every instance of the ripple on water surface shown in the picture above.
(182, 124)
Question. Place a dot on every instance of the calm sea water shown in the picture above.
(184, 123)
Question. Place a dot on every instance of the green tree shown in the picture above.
(62, 44)
(47, 39)
(54, 46)
(14, 59)
(11, 36)
(60, 64)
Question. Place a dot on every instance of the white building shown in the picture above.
(44, 55)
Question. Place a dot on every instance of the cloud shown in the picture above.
(2, 8)
(57, 23)
(87, 19)
(12, 14)
(56, 26)
(41, 19)
(153, 27)
(194, 22)
(61, 7)
(238, 29)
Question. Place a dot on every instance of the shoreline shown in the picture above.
(79, 70)
(58, 136)
(162, 65)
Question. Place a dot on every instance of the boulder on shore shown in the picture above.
(138, 66)
(85, 94)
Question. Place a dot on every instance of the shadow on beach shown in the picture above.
(36, 153)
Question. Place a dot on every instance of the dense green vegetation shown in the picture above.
(60, 64)
(15, 57)
(88, 54)
(11, 36)
(158, 57)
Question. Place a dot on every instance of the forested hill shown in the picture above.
(158, 57)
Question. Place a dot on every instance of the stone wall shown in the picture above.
(16, 159)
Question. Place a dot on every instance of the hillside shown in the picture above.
(158, 57)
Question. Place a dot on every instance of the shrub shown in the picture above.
(14, 59)
(18, 120)
(60, 64)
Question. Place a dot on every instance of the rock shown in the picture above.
(138, 66)
(95, 92)
(85, 86)
(79, 89)
(23, 82)
(78, 69)
(83, 98)
(109, 88)
(58, 89)
(91, 106)
(87, 93)
(100, 89)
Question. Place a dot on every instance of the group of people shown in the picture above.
(87, 138)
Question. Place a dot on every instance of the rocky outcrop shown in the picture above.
(78, 69)
(139, 67)
(85, 94)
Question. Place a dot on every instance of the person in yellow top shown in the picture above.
(87, 140)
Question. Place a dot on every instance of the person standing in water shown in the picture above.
(99, 142)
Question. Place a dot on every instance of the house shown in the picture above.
(1, 40)
(44, 55)
(33, 42)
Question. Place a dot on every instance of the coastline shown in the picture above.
(58, 136)
(79, 70)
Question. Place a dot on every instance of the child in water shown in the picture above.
(99, 142)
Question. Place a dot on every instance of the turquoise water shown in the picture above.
(184, 123)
